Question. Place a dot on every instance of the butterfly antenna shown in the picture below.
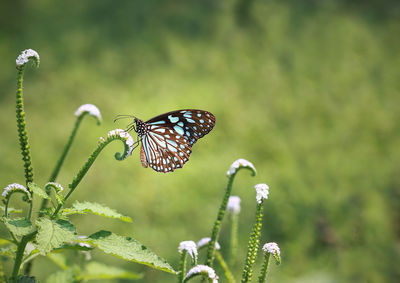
(119, 117)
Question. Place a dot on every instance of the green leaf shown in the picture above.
(8, 251)
(95, 208)
(38, 191)
(128, 249)
(5, 242)
(52, 234)
(64, 276)
(26, 279)
(18, 226)
(97, 271)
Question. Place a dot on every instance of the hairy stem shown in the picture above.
(183, 266)
(234, 238)
(217, 223)
(22, 134)
(227, 272)
(20, 253)
(60, 161)
(253, 245)
(264, 269)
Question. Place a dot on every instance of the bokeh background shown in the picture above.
(306, 90)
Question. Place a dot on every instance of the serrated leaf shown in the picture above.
(18, 226)
(97, 271)
(95, 208)
(53, 234)
(128, 249)
(38, 191)
(64, 276)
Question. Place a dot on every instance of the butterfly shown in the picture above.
(167, 139)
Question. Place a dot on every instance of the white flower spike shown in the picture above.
(125, 136)
(189, 247)
(205, 241)
(198, 269)
(262, 192)
(23, 58)
(240, 163)
(273, 249)
(15, 187)
(89, 108)
(233, 204)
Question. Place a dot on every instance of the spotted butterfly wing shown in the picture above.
(167, 139)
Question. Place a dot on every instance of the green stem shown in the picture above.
(217, 223)
(60, 161)
(234, 238)
(264, 269)
(20, 253)
(254, 241)
(227, 272)
(21, 126)
(88, 164)
(183, 266)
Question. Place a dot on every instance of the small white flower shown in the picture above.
(23, 58)
(205, 241)
(233, 204)
(262, 192)
(239, 163)
(189, 247)
(273, 249)
(15, 187)
(84, 245)
(203, 269)
(57, 185)
(89, 108)
(125, 136)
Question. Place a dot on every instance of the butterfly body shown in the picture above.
(167, 139)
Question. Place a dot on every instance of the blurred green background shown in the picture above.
(306, 90)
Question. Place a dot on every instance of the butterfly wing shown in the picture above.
(164, 150)
(191, 123)
(168, 143)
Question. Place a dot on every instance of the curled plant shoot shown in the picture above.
(10, 190)
(186, 248)
(269, 249)
(21, 61)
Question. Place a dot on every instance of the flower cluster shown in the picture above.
(23, 58)
(203, 269)
(240, 163)
(233, 204)
(128, 139)
(13, 188)
(273, 249)
(262, 192)
(88, 108)
(205, 241)
(189, 247)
